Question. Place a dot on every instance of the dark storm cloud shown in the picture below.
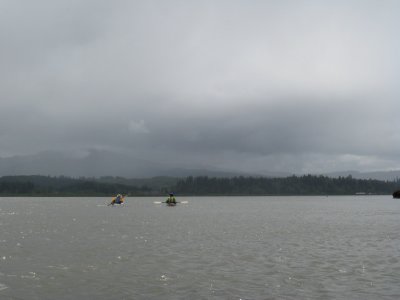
(299, 128)
(283, 85)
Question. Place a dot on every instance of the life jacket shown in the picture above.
(171, 199)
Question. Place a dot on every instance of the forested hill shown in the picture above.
(199, 186)
(294, 185)
(65, 186)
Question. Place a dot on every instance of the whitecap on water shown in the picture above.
(3, 287)
(164, 278)
(58, 267)
(29, 275)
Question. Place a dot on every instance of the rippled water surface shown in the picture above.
(210, 248)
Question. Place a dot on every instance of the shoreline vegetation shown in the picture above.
(308, 185)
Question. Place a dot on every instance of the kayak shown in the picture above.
(171, 204)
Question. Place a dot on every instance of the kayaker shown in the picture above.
(119, 199)
(171, 199)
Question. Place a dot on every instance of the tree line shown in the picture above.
(194, 186)
(64, 186)
(293, 185)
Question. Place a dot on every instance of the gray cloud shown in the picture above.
(298, 86)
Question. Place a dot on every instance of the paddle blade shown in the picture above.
(184, 202)
(157, 202)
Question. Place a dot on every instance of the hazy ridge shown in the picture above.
(105, 164)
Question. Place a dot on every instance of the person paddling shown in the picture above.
(171, 199)
(119, 199)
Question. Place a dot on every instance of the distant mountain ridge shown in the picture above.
(98, 164)
(105, 163)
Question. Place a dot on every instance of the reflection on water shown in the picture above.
(210, 248)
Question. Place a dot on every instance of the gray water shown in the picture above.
(210, 248)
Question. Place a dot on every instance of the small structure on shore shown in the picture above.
(396, 194)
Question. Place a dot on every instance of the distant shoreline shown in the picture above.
(307, 185)
(199, 196)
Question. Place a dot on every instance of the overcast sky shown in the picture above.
(297, 86)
